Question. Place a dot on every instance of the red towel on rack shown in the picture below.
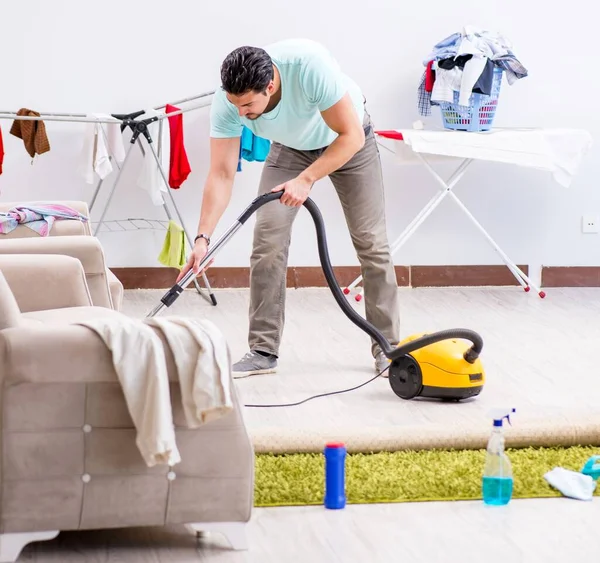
(179, 168)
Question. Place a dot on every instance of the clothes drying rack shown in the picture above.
(139, 128)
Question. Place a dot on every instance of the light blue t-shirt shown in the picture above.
(311, 82)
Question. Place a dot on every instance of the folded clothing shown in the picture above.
(39, 218)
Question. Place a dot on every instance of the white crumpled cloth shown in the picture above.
(559, 151)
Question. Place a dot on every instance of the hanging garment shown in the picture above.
(179, 166)
(172, 254)
(101, 140)
(33, 132)
(252, 148)
(151, 177)
(512, 67)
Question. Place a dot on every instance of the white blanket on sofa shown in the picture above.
(203, 364)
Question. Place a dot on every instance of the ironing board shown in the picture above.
(558, 151)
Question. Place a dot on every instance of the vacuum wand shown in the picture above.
(390, 351)
(171, 296)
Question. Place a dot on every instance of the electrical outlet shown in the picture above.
(589, 224)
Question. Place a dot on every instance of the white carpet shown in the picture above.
(540, 357)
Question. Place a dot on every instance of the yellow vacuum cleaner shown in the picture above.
(438, 365)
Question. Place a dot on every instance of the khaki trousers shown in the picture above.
(359, 185)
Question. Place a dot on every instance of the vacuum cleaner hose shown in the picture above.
(392, 352)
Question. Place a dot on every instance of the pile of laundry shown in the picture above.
(464, 63)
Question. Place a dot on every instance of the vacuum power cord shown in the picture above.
(321, 394)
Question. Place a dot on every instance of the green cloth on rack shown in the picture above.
(173, 250)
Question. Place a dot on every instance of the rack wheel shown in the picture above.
(346, 291)
(526, 288)
(358, 297)
(542, 294)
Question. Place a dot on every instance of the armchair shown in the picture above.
(69, 460)
(72, 238)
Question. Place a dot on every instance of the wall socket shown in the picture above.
(590, 224)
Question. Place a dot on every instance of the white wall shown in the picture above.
(73, 56)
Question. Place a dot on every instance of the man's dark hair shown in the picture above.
(245, 69)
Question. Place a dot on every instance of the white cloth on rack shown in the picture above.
(151, 178)
(558, 151)
(100, 141)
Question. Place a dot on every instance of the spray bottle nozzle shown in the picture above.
(498, 415)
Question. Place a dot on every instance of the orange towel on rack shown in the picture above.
(179, 168)
(33, 132)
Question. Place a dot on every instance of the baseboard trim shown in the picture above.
(571, 276)
(312, 276)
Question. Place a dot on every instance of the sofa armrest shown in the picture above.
(45, 281)
(76, 354)
(86, 249)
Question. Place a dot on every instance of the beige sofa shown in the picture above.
(69, 458)
(72, 238)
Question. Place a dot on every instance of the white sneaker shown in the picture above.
(382, 362)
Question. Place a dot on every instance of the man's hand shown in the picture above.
(295, 191)
(198, 253)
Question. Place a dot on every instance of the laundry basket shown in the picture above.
(479, 114)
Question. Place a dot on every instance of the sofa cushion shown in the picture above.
(67, 315)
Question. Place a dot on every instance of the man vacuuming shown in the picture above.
(294, 94)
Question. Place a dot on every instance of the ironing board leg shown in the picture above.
(213, 299)
(519, 275)
(419, 218)
(525, 282)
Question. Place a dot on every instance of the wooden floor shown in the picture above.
(540, 356)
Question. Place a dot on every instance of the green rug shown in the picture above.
(409, 476)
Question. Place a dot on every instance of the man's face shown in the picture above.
(252, 105)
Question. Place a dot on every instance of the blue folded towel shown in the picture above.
(252, 148)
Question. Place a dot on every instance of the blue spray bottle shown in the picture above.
(497, 483)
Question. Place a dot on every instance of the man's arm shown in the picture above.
(224, 155)
(341, 118)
